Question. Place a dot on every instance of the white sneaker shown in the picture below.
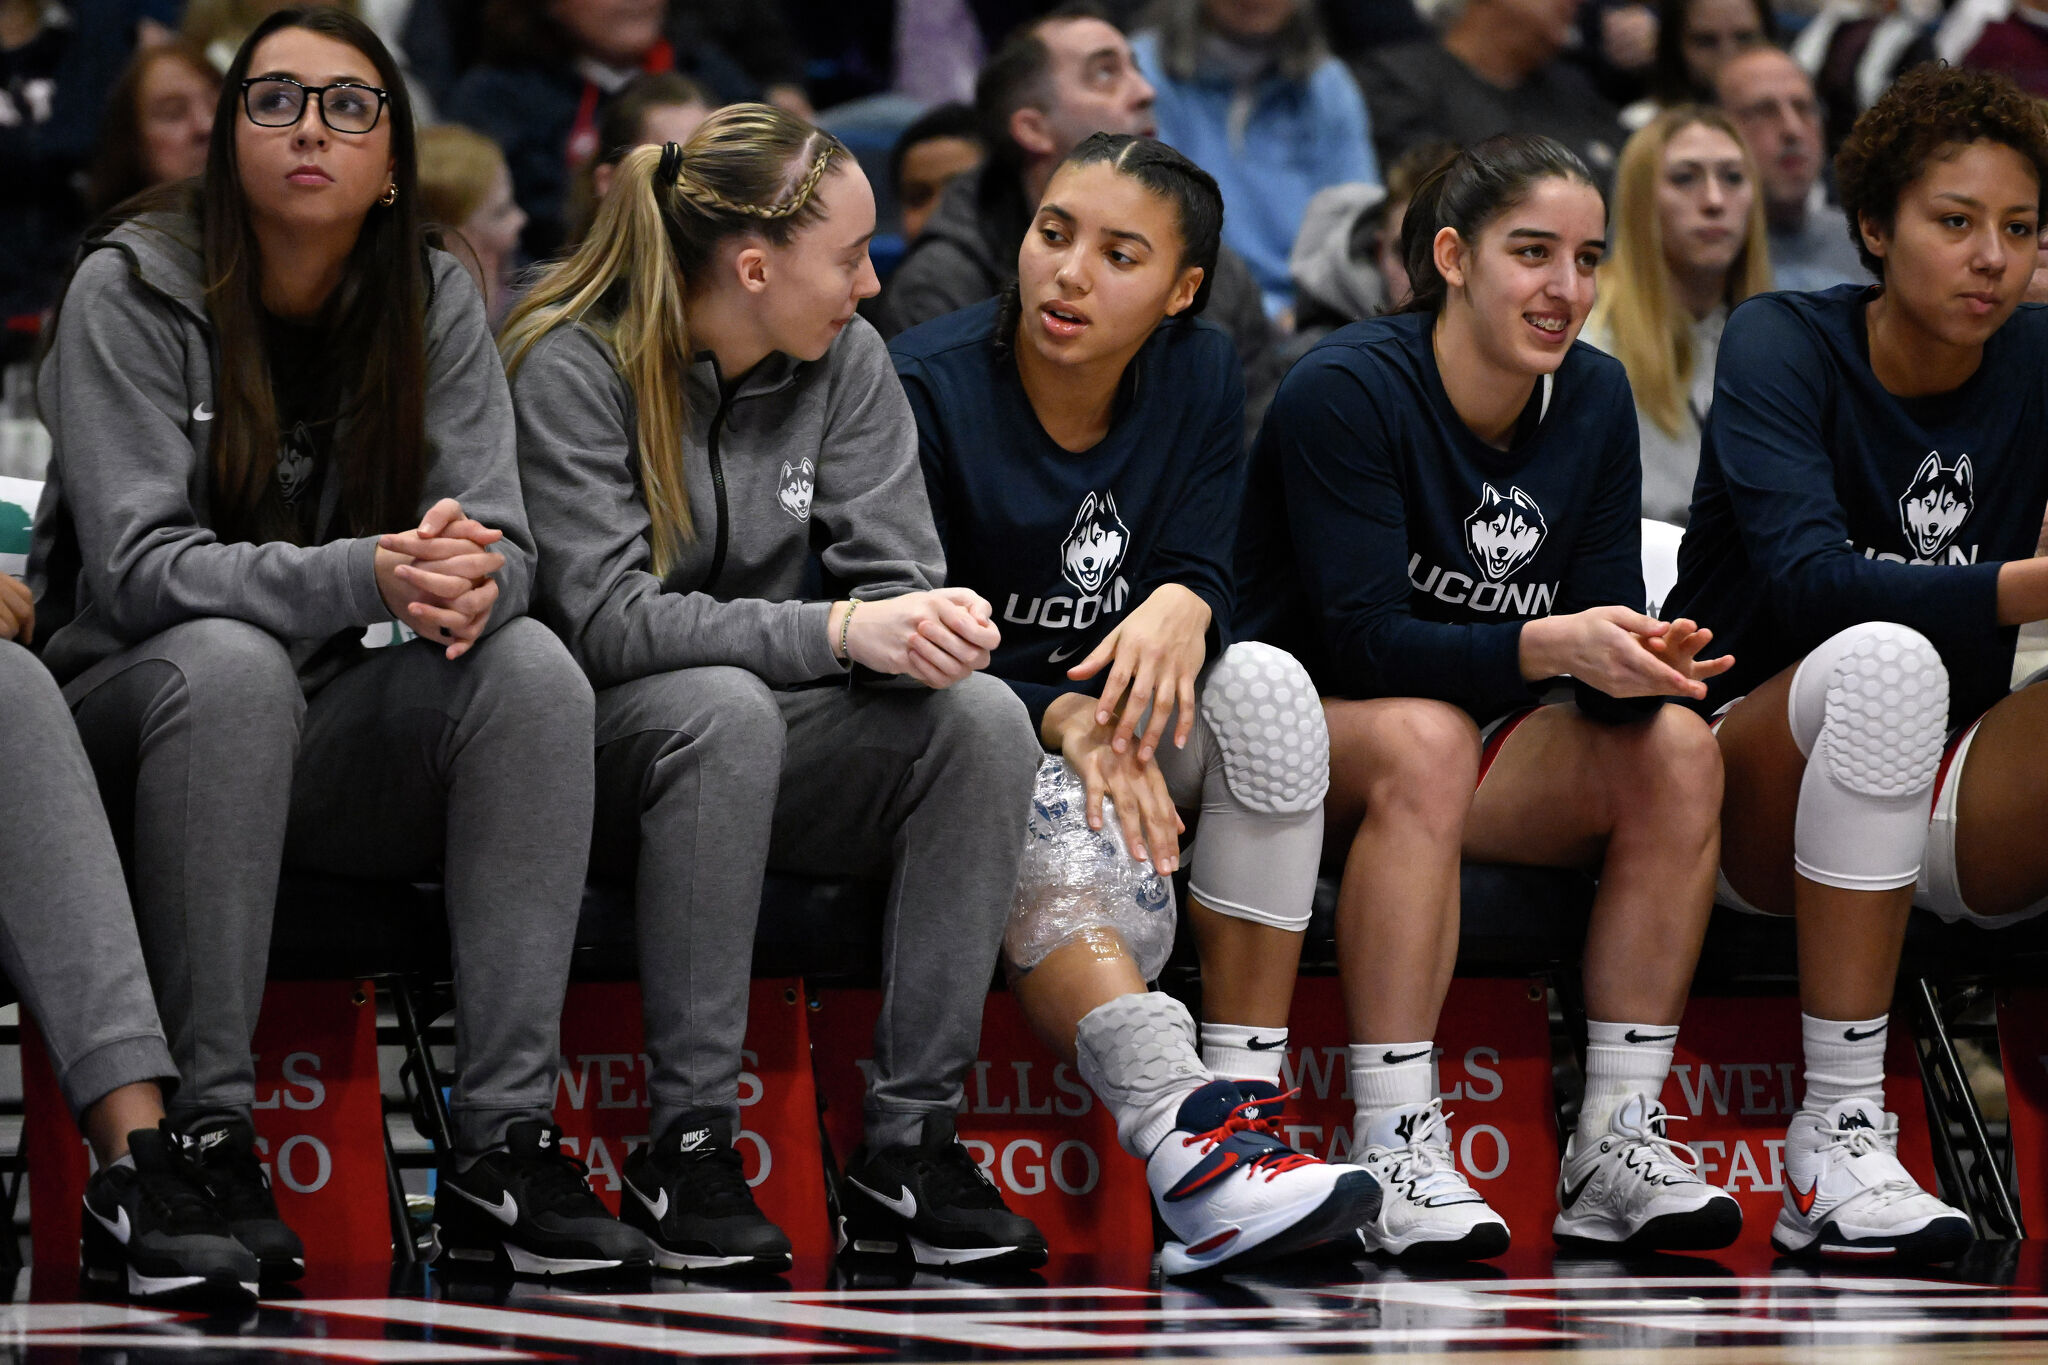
(1429, 1211)
(1847, 1195)
(1230, 1191)
(1637, 1189)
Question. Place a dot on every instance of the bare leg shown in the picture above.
(1071, 981)
(108, 1120)
(2001, 859)
(1640, 802)
(1248, 969)
(1849, 941)
(1401, 778)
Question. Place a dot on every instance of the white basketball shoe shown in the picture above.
(1636, 1189)
(1430, 1211)
(1847, 1196)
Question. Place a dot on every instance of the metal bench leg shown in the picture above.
(1949, 1090)
(429, 1108)
(402, 1246)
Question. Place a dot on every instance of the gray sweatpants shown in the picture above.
(217, 771)
(707, 777)
(67, 938)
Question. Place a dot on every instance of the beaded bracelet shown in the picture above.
(846, 623)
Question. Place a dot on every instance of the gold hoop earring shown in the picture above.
(390, 195)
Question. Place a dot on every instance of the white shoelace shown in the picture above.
(1425, 1164)
(1664, 1155)
(1861, 1142)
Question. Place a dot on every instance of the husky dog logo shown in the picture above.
(295, 464)
(1094, 548)
(1936, 504)
(1504, 533)
(794, 493)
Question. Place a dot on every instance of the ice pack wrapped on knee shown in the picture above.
(1074, 879)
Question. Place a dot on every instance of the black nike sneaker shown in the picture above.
(687, 1190)
(935, 1198)
(153, 1229)
(225, 1152)
(527, 1207)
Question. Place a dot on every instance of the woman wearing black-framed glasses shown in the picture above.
(246, 387)
(280, 102)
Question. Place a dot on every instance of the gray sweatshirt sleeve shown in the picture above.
(470, 431)
(870, 500)
(597, 588)
(115, 397)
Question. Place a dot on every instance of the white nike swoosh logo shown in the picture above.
(1060, 656)
(904, 1206)
(119, 1227)
(202, 413)
(506, 1210)
(659, 1208)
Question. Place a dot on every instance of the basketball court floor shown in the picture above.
(1690, 1310)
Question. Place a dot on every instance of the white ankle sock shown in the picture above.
(1243, 1052)
(1390, 1076)
(1622, 1060)
(1844, 1060)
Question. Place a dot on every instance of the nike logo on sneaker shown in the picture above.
(691, 1141)
(1803, 1199)
(1850, 1035)
(1395, 1059)
(1261, 1045)
(1207, 1172)
(506, 1210)
(903, 1206)
(1633, 1037)
(118, 1226)
(1572, 1193)
(657, 1207)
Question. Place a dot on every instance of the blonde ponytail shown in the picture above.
(749, 168)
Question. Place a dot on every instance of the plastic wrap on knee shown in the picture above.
(1268, 721)
(1869, 707)
(1075, 880)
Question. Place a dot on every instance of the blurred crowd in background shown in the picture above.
(1712, 121)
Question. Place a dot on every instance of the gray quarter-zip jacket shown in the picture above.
(123, 546)
(793, 459)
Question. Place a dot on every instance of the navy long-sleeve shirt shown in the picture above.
(1398, 555)
(1824, 501)
(1065, 544)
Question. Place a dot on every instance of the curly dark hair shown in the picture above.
(1927, 109)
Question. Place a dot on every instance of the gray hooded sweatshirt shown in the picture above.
(794, 459)
(123, 548)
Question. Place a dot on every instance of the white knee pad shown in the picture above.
(1869, 709)
(1268, 721)
(1080, 885)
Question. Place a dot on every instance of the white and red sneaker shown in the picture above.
(1232, 1192)
(1848, 1197)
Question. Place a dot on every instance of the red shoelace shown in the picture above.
(1273, 1163)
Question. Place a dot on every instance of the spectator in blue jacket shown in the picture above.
(1248, 91)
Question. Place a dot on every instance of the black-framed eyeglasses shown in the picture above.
(280, 102)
